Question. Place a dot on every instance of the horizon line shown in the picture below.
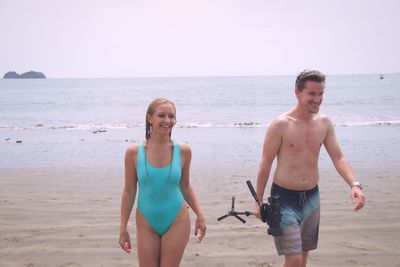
(214, 76)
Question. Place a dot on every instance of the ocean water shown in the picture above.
(90, 122)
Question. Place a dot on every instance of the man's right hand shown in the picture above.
(256, 210)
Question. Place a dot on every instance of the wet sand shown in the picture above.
(70, 217)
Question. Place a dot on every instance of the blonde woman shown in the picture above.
(161, 169)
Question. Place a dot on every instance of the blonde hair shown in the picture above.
(151, 109)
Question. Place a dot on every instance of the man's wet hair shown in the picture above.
(309, 75)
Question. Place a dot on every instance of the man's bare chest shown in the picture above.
(300, 137)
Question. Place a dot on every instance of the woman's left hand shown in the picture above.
(200, 225)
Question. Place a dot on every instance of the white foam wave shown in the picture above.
(394, 123)
(221, 125)
(120, 126)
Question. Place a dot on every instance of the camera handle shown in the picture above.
(253, 192)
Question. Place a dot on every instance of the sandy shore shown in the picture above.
(70, 217)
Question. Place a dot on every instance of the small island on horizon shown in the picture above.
(26, 75)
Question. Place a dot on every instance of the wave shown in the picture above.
(221, 125)
(98, 128)
(116, 126)
(395, 123)
(88, 126)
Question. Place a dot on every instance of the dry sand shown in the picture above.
(70, 217)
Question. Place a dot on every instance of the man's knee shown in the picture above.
(294, 261)
(305, 256)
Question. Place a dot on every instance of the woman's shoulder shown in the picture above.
(132, 151)
(133, 148)
(185, 148)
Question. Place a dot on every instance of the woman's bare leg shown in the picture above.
(148, 242)
(174, 241)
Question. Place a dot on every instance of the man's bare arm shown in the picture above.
(337, 156)
(272, 143)
(341, 165)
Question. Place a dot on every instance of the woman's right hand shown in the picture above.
(256, 210)
(125, 241)
(200, 225)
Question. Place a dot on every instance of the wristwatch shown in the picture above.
(358, 184)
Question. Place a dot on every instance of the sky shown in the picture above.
(150, 38)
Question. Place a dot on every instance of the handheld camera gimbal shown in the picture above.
(270, 212)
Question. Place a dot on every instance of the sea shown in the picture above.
(89, 123)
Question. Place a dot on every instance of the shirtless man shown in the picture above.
(295, 138)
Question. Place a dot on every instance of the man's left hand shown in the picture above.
(357, 194)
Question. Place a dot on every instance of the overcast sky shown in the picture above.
(131, 38)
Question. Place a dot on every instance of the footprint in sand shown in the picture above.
(353, 262)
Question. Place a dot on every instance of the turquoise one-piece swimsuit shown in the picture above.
(160, 199)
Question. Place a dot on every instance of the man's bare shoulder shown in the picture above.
(283, 120)
(279, 124)
(325, 120)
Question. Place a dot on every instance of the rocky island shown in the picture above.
(27, 75)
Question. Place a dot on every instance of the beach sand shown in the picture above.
(70, 217)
